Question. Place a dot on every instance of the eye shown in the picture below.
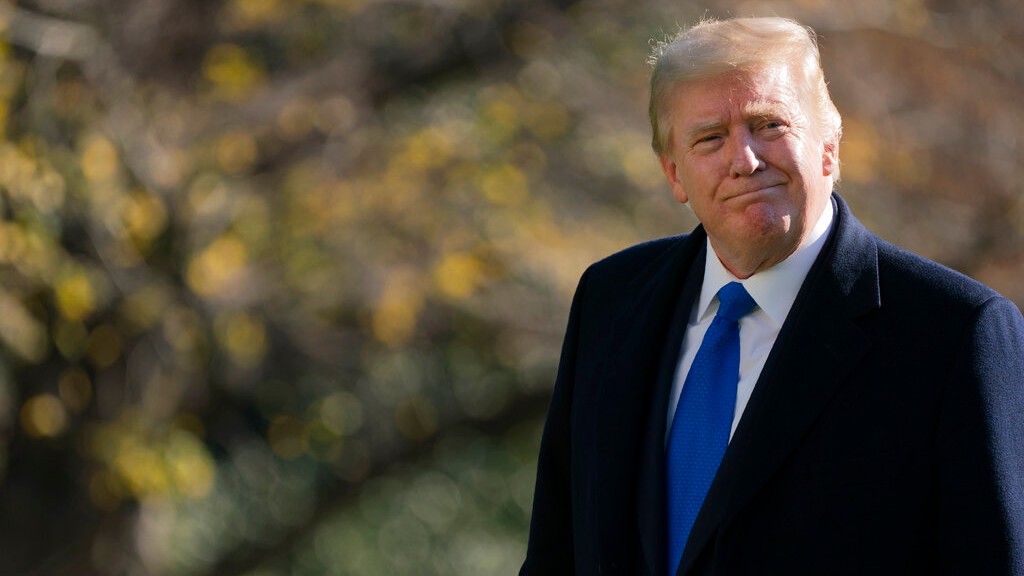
(707, 142)
(772, 128)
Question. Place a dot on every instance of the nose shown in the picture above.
(746, 157)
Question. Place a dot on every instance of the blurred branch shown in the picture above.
(48, 36)
(55, 38)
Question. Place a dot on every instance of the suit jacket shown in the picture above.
(885, 434)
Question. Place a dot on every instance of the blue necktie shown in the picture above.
(703, 418)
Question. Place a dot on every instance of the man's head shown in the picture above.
(712, 48)
(746, 135)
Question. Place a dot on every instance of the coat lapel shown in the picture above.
(819, 337)
(628, 468)
(650, 489)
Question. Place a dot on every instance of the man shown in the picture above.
(780, 391)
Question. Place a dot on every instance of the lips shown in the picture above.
(754, 190)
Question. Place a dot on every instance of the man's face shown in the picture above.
(745, 157)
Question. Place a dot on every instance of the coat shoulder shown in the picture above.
(627, 263)
(923, 279)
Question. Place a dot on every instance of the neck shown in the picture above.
(746, 264)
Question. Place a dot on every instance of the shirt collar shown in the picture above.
(774, 289)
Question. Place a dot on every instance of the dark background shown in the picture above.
(283, 282)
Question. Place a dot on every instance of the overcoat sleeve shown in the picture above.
(550, 548)
(980, 449)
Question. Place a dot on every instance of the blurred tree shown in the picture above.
(282, 282)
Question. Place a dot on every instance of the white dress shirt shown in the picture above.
(774, 290)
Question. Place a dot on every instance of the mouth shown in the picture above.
(756, 190)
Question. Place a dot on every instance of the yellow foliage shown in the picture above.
(12, 242)
(47, 192)
(191, 468)
(548, 119)
(143, 463)
(540, 226)
(36, 252)
(428, 148)
(339, 203)
(28, 177)
(76, 297)
(20, 332)
(232, 71)
(43, 416)
(504, 185)
(236, 152)
(213, 270)
(459, 275)
(145, 217)
(397, 311)
(502, 111)
(401, 185)
(243, 336)
(17, 168)
(140, 466)
(99, 159)
(144, 308)
(641, 166)
(252, 223)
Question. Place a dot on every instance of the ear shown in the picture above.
(830, 158)
(668, 166)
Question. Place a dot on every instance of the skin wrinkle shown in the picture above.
(749, 165)
(762, 110)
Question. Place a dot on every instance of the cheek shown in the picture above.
(700, 184)
(809, 161)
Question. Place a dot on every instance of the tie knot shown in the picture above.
(734, 302)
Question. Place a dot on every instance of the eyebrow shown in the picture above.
(765, 108)
(758, 109)
(704, 127)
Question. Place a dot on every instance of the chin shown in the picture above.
(767, 219)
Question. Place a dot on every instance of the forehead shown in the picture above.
(768, 91)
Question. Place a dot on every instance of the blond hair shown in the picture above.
(715, 47)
